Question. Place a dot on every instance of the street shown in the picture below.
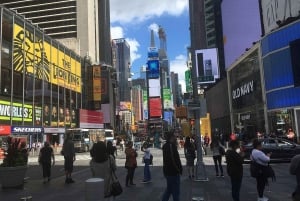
(215, 189)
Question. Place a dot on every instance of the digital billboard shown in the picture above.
(275, 12)
(154, 87)
(17, 111)
(155, 107)
(207, 65)
(34, 56)
(153, 69)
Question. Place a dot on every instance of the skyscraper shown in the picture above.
(206, 29)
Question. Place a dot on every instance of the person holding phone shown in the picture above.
(262, 159)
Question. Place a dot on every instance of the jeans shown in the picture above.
(147, 173)
(173, 187)
(235, 188)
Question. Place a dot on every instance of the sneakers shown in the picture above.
(69, 181)
(145, 181)
(262, 199)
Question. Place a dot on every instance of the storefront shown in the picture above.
(281, 69)
(245, 91)
(33, 136)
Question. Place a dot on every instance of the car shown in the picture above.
(282, 150)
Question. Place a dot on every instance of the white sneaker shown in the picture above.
(262, 199)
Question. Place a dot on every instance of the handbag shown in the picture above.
(257, 170)
(115, 187)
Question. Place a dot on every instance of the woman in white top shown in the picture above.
(261, 158)
(217, 156)
(147, 161)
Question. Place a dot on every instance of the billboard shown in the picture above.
(167, 97)
(207, 65)
(275, 12)
(154, 87)
(16, 111)
(153, 69)
(241, 27)
(96, 83)
(152, 52)
(32, 55)
(155, 107)
(125, 105)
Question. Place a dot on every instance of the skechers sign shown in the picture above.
(16, 111)
(18, 129)
(243, 90)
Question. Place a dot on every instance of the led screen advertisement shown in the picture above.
(155, 107)
(207, 65)
(34, 56)
(154, 87)
(153, 69)
(275, 12)
(19, 112)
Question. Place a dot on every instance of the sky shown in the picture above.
(134, 20)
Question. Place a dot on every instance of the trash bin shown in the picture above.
(94, 189)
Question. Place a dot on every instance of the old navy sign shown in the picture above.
(243, 90)
(23, 129)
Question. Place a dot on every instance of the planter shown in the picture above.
(12, 177)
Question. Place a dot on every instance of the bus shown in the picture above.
(84, 138)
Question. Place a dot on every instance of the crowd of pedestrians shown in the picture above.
(103, 163)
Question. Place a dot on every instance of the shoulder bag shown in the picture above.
(116, 188)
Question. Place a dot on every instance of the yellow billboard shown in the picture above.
(32, 55)
(16, 111)
(206, 125)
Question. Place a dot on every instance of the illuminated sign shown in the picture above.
(243, 90)
(17, 129)
(34, 56)
(207, 65)
(17, 111)
(153, 69)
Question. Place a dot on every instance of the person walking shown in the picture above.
(215, 147)
(172, 168)
(130, 163)
(147, 162)
(45, 156)
(68, 151)
(234, 163)
(295, 170)
(102, 164)
(262, 159)
(190, 155)
(122, 144)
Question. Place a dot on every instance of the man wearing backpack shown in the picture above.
(147, 159)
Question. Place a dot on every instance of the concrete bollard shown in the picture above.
(94, 189)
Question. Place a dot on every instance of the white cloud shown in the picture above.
(134, 46)
(154, 27)
(178, 65)
(118, 32)
(140, 10)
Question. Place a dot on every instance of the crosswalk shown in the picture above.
(120, 158)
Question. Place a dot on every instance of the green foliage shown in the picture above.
(13, 157)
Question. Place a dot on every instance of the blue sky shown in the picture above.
(133, 21)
